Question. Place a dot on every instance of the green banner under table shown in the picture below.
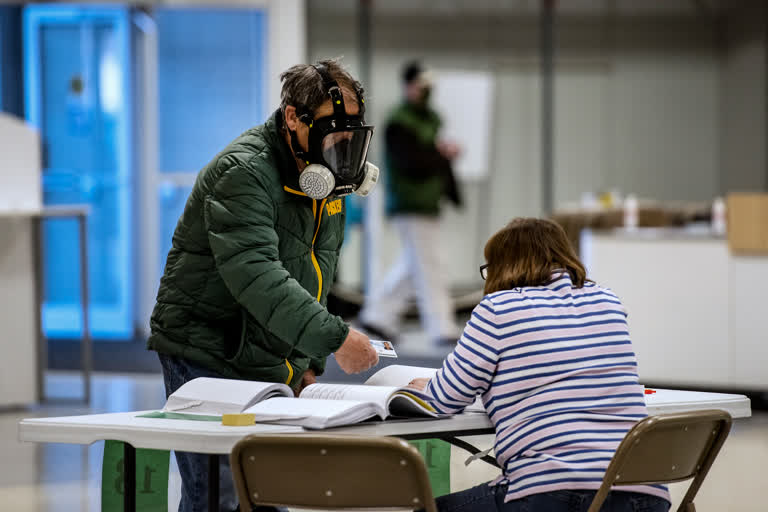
(151, 479)
(152, 469)
(437, 457)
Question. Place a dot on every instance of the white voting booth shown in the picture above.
(20, 199)
(20, 189)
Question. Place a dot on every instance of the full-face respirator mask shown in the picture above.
(337, 148)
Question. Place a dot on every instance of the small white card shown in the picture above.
(384, 348)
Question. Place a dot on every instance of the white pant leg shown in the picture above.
(389, 297)
(421, 238)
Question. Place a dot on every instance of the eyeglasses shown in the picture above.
(484, 271)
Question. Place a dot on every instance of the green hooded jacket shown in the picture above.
(247, 278)
(418, 176)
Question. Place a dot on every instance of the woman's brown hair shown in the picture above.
(526, 252)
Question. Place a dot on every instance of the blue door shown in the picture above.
(78, 93)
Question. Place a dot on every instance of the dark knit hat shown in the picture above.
(411, 71)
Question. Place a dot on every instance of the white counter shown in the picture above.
(697, 313)
(18, 317)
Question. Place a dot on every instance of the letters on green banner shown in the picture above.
(151, 479)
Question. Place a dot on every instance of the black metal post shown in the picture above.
(86, 350)
(42, 342)
(364, 62)
(213, 482)
(129, 473)
(364, 35)
(547, 57)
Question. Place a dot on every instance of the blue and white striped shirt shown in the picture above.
(555, 368)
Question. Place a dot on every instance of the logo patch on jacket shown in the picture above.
(333, 207)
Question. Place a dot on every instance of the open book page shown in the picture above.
(404, 403)
(401, 376)
(313, 413)
(206, 395)
(390, 399)
(375, 394)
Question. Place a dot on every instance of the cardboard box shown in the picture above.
(748, 223)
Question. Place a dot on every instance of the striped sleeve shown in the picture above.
(469, 369)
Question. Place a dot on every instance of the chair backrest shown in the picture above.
(667, 448)
(326, 471)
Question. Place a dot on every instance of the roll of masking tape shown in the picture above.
(238, 420)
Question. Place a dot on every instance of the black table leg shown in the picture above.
(471, 449)
(213, 483)
(129, 474)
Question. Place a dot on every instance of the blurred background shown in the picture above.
(639, 125)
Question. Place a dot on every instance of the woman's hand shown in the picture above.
(419, 384)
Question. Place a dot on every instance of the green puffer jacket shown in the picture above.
(416, 172)
(253, 258)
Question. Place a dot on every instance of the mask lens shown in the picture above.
(345, 152)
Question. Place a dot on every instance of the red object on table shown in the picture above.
(650, 391)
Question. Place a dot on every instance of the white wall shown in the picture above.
(688, 330)
(287, 42)
(636, 105)
(743, 100)
(20, 195)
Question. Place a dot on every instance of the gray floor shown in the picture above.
(63, 477)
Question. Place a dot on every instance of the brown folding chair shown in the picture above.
(330, 472)
(667, 448)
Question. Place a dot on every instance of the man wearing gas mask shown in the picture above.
(419, 176)
(254, 253)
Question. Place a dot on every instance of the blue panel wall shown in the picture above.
(211, 81)
(211, 72)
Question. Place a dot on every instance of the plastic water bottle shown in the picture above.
(630, 212)
(718, 216)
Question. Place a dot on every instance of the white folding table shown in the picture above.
(214, 439)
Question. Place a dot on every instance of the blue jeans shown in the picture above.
(485, 498)
(194, 466)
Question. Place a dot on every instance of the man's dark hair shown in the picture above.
(411, 71)
(303, 85)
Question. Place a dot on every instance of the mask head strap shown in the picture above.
(306, 117)
(334, 91)
(296, 146)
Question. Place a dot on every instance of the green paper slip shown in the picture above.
(179, 416)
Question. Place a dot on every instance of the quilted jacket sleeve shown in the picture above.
(240, 220)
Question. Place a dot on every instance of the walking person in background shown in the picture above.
(419, 175)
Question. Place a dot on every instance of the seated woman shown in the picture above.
(549, 352)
